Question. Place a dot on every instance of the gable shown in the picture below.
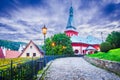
(31, 49)
(90, 48)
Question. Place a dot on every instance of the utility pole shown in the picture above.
(102, 36)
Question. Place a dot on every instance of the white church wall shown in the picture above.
(77, 48)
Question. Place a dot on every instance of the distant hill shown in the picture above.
(10, 44)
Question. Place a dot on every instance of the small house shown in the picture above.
(31, 50)
(1, 53)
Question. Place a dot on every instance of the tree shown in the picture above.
(62, 45)
(10, 44)
(105, 46)
(114, 39)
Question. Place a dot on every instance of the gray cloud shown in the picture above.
(90, 18)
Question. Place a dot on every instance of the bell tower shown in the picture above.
(70, 29)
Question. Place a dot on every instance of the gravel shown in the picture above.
(76, 68)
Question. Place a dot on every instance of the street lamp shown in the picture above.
(64, 47)
(44, 31)
(53, 44)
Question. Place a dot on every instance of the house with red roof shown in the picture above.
(31, 50)
(1, 53)
(12, 54)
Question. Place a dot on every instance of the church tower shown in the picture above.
(70, 29)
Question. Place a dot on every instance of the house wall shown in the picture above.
(31, 51)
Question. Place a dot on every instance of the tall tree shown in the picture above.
(10, 44)
(62, 45)
(114, 39)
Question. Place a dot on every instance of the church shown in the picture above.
(81, 46)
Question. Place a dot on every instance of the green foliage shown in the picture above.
(96, 52)
(62, 45)
(113, 55)
(114, 39)
(105, 46)
(10, 44)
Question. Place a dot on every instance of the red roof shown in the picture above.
(12, 54)
(1, 54)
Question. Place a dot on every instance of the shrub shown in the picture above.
(96, 51)
(105, 46)
(114, 39)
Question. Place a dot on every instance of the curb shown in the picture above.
(104, 64)
(44, 70)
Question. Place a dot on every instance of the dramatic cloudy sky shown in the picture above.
(22, 20)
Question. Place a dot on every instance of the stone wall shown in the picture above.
(109, 65)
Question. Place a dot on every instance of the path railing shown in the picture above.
(27, 70)
(23, 71)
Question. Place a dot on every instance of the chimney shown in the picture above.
(1, 47)
(4, 50)
(20, 48)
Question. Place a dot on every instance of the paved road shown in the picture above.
(76, 68)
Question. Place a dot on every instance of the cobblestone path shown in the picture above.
(76, 68)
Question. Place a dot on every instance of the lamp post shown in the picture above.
(44, 31)
(53, 44)
(64, 47)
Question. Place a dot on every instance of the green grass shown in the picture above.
(40, 71)
(5, 63)
(112, 55)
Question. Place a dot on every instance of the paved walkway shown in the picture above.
(76, 68)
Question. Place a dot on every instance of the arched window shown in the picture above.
(76, 51)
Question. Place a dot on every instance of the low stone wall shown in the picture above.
(109, 65)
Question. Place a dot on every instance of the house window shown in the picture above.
(34, 54)
(27, 54)
(31, 47)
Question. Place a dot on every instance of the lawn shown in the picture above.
(112, 55)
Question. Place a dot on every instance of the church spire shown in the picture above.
(70, 19)
(70, 29)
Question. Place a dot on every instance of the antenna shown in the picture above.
(102, 36)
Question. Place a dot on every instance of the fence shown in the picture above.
(24, 71)
(27, 70)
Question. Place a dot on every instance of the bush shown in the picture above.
(114, 39)
(96, 51)
(105, 46)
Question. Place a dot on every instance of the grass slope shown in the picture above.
(5, 63)
(113, 55)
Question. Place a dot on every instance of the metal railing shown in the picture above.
(23, 71)
(27, 70)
